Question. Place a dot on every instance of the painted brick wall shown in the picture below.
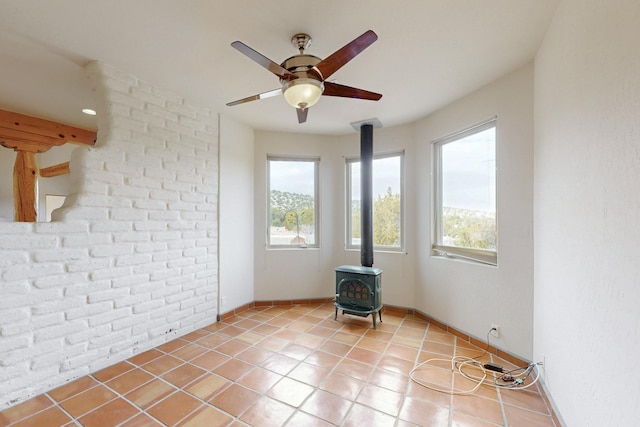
(131, 260)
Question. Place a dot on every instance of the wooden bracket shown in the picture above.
(27, 136)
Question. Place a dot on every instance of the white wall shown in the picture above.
(7, 160)
(131, 261)
(587, 199)
(470, 296)
(236, 215)
(285, 274)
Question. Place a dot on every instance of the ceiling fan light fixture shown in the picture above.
(302, 92)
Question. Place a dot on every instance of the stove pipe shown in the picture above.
(366, 174)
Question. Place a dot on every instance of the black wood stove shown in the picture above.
(359, 288)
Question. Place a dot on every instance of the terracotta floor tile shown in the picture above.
(280, 364)
(395, 364)
(293, 366)
(460, 419)
(254, 355)
(363, 355)
(52, 417)
(233, 369)
(162, 364)
(380, 398)
(170, 346)
(518, 417)
(150, 393)
(183, 375)
(210, 360)
(206, 387)
(295, 351)
(309, 374)
(343, 386)
(231, 347)
(336, 348)
(142, 420)
(212, 341)
(301, 419)
(360, 415)
(113, 371)
(188, 352)
(129, 380)
(207, 416)
(290, 391)
(389, 380)
(113, 413)
(273, 343)
(73, 388)
(479, 407)
(145, 357)
(267, 412)
(260, 380)
(354, 369)
(25, 409)
(174, 408)
(235, 399)
(423, 413)
(250, 337)
(327, 406)
(196, 335)
(81, 403)
(325, 360)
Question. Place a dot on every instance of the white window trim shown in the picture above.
(377, 248)
(468, 254)
(316, 200)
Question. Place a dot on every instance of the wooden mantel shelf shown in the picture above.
(27, 136)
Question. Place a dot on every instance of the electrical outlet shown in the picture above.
(495, 331)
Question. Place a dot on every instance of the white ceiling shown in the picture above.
(428, 54)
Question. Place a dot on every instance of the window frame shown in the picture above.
(316, 200)
(349, 214)
(484, 256)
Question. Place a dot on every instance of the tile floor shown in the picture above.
(288, 366)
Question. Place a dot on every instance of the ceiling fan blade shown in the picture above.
(334, 89)
(276, 69)
(302, 114)
(332, 63)
(256, 97)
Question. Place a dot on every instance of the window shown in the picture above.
(465, 194)
(387, 186)
(293, 202)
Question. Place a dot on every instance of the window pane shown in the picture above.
(292, 202)
(468, 191)
(387, 202)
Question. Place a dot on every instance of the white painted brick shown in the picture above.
(183, 207)
(125, 260)
(16, 287)
(165, 236)
(58, 254)
(177, 297)
(88, 333)
(144, 182)
(12, 301)
(87, 310)
(129, 281)
(109, 316)
(111, 250)
(178, 186)
(27, 240)
(165, 195)
(124, 99)
(131, 237)
(150, 204)
(162, 132)
(56, 331)
(107, 295)
(109, 273)
(108, 339)
(150, 247)
(165, 274)
(146, 117)
(108, 227)
(61, 227)
(86, 240)
(180, 315)
(192, 216)
(148, 306)
(167, 329)
(147, 287)
(128, 214)
(132, 300)
(90, 265)
(164, 215)
(161, 112)
(129, 321)
(65, 304)
(94, 214)
(78, 364)
(181, 245)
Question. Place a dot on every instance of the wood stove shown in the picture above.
(359, 291)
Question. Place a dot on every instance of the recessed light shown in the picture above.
(89, 111)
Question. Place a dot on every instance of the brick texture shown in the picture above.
(129, 262)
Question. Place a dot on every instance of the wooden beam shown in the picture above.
(37, 130)
(55, 170)
(24, 186)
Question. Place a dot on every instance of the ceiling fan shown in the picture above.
(304, 77)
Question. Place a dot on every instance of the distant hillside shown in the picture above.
(285, 201)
